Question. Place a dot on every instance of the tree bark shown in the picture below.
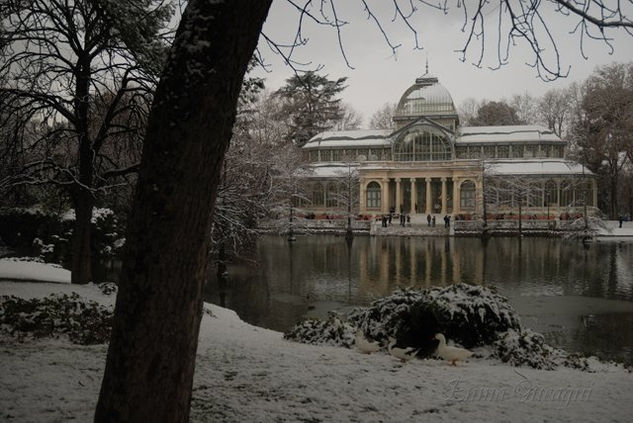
(151, 358)
(81, 268)
(81, 264)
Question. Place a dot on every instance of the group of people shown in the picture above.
(405, 220)
(431, 220)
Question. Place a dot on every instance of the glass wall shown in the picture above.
(417, 145)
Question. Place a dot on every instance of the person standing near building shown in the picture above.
(428, 219)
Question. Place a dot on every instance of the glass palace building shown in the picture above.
(430, 164)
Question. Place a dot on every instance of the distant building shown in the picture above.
(430, 164)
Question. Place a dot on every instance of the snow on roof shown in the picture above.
(331, 170)
(499, 134)
(536, 167)
(356, 138)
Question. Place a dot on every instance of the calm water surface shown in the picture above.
(581, 299)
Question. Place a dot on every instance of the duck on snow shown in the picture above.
(449, 353)
(363, 345)
(404, 354)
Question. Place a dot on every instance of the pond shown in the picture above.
(580, 298)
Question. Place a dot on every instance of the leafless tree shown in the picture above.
(348, 184)
(525, 106)
(83, 72)
(383, 117)
(350, 119)
(151, 357)
(262, 173)
(554, 109)
(603, 126)
(468, 110)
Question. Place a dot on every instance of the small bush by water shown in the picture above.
(472, 316)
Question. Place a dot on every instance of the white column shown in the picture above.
(362, 207)
(456, 195)
(428, 196)
(398, 195)
(384, 196)
(414, 196)
(443, 196)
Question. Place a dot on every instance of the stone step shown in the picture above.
(413, 230)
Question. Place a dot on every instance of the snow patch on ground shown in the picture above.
(16, 269)
(246, 373)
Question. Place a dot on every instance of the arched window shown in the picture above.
(317, 195)
(331, 200)
(467, 195)
(373, 195)
(418, 145)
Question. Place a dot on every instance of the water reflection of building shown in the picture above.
(431, 164)
(385, 264)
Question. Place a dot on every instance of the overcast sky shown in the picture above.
(379, 76)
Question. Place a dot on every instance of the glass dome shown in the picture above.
(426, 97)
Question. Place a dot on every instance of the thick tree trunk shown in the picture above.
(81, 267)
(150, 363)
(81, 264)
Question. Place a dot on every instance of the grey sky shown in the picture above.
(380, 77)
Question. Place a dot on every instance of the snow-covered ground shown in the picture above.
(246, 373)
(15, 269)
(625, 232)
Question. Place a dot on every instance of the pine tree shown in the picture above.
(310, 101)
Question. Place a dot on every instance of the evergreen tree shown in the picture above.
(496, 113)
(312, 104)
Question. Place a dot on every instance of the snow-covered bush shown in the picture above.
(19, 227)
(526, 348)
(580, 228)
(108, 288)
(333, 331)
(385, 316)
(470, 315)
(83, 322)
(48, 235)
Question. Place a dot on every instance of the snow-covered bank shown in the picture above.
(245, 373)
(17, 269)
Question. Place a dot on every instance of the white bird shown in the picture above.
(403, 354)
(365, 346)
(452, 354)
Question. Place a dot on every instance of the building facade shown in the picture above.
(430, 164)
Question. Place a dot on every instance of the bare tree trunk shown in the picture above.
(150, 363)
(614, 196)
(81, 265)
(81, 268)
